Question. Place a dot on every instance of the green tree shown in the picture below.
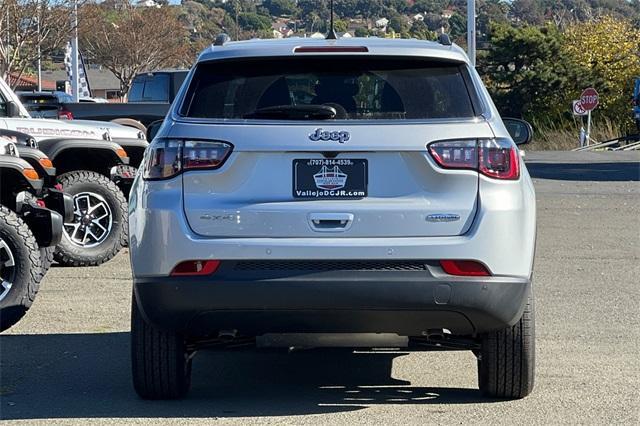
(429, 6)
(254, 22)
(398, 23)
(608, 52)
(281, 7)
(340, 26)
(528, 72)
(420, 31)
(457, 25)
(361, 32)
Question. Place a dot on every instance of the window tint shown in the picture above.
(363, 88)
(135, 91)
(150, 88)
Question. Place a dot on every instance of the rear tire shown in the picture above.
(20, 271)
(160, 363)
(101, 192)
(506, 363)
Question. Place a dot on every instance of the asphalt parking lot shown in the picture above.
(68, 360)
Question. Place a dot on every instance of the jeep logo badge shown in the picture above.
(325, 135)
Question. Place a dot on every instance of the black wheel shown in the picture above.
(506, 362)
(20, 272)
(99, 227)
(160, 363)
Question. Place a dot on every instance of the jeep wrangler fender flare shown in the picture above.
(83, 154)
(13, 180)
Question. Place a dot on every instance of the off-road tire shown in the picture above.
(506, 362)
(28, 274)
(160, 364)
(70, 254)
(46, 258)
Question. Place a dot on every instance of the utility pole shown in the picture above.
(236, 8)
(39, 53)
(74, 54)
(471, 31)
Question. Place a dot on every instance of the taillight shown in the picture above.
(499, 159)
(195, 267)
(64, 114)
(464, 268)
(455, 154)
(170, 157)
(495, 158)
(204, 155)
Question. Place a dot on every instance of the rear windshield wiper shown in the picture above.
(294, 112)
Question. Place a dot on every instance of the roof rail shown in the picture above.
(221, 39)
(444, 39)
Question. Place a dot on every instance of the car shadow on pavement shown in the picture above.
(595, 172)
(88, 376)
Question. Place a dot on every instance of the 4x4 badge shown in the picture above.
(324, 135)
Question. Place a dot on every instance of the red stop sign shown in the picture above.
(589, 99)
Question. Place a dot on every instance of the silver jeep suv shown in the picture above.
(353, 192)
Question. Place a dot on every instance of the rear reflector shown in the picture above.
(464, 268)
(195, 267)
(331, 49)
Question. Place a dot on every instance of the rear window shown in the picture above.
(360, 88)
(150, 88)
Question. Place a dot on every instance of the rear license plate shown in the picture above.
(330, 179)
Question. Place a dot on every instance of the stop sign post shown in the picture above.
(589, 101)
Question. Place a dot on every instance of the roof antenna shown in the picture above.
(331, 35)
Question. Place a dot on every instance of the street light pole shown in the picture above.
(74, 54)
(471, 31)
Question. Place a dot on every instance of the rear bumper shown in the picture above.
(406, 302)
